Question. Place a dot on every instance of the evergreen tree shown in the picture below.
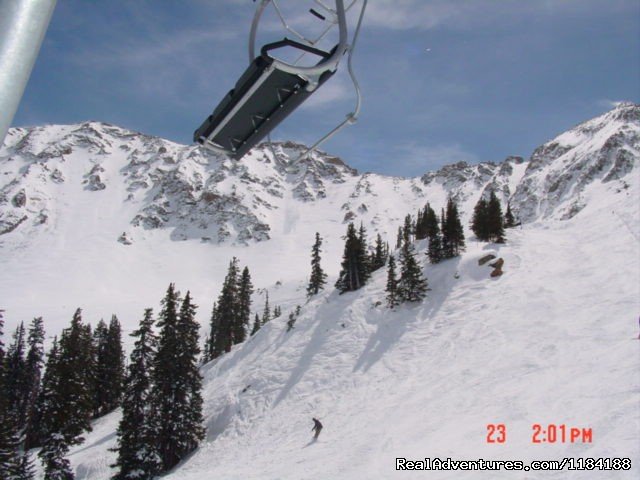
(412, 285)
(434, 250)
(34, 364)
(494, 219)
(109, 371)
(266, 313)
(227, 312)
(68, 402)
(407, 230)
(291, 322)
(101, 385)
(399, 237)
(447, 248)
(318, 278)
(15, 382)
(392, 283)
(354, 271)
(47, 400)
(24, 469)
(420, 229)
(430, 220)
(480, 221)
(211, 342)
(175, 397)
(509, 220)
(256, 325)
(9, 436)
(245, 290)
(453, 231)
(379, 258)
(54, 458)
(137, 456)
(53, 416)
(363, 257)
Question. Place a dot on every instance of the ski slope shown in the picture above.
(552, 341)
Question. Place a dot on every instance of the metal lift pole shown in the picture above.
(23, 24)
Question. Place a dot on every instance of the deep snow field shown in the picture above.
(552, 341)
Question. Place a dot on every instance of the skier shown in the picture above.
(317, 427)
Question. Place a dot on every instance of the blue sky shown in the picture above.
(442, 80)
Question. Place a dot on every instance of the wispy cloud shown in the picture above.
(335, 90)
(609, 104)
(419, 14)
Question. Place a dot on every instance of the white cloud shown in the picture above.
(335, 90)
(609, 104)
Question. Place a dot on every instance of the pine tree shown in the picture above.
(192, 431)
(434, 250)
(24, 469)
(227, 311)
(34, 364)
(53, 415)
(137, 455)
(48, 399)
(211, 342)
(15, 382)
(109, 370)
(494, 219)
(399, 237)
(266, 312)
(392, 284)
(68, 405)
(447, 248)
(420, 229)
(101, 385)
(354, 271)
(318, 278)
(245, 290)
(175, 396)
(407, 230)
(363, 257)
(379, 258)
(412, 285)
(480, 221)
(293, 316)
(453, 233)
(9, 436)
(256, 325)
(54, 458)
(509, 220)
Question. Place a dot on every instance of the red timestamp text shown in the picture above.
(540, 434)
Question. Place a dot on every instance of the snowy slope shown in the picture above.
(551, 341)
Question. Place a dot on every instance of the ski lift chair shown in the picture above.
(271, 89)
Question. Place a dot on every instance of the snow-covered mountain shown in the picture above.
(96, 216)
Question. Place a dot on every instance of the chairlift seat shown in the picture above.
(262, 98)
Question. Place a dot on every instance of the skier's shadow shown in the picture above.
(313, 440)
